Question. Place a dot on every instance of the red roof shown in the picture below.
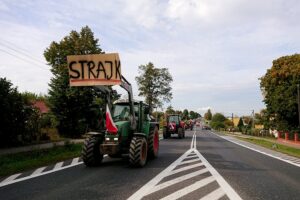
(41, 105)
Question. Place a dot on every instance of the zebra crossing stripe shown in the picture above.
(214, 195)
(189, 161)
(177, 180)
(189, 189)
(185, 168)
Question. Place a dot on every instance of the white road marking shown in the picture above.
(189, 161)
(39, 170)
(75, 160)
(185, 168)
(10, 178)
(58, 165)
(214, 195)
(176, 180)
(192, 156)
(223, 184)
(189, 189)
(148, 186)
(4, 182)
(262, 152)
(152, 186)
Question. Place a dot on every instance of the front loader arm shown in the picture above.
(127, 86)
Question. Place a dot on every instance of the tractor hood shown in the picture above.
(123, 126)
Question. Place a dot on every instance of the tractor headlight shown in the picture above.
(116, 139)
(107, 139)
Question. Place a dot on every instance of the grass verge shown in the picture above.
(14, 163)
(270, 145)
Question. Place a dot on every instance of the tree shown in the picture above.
(19, 120)
(279, 88)
(194, 115)
(240, 124)
(185, 114)
(218, 121)
(208, 115)
(170, 110)
(76, 108)
(154, 85)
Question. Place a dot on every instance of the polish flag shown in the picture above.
(110, 125)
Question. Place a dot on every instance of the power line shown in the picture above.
(28, 61)
(16, 49)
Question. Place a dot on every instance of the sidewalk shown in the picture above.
(39, 146)
(275, 141)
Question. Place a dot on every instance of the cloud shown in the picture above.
(215, 50)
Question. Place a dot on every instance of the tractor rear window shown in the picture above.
(174, 119)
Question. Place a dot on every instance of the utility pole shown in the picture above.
(298, 91)
(252, 118)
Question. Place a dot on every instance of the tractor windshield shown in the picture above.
(174, 119)
(121, 113)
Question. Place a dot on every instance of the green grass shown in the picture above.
(268, 144)
(14, 163)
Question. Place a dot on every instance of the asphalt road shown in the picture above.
(203, 165)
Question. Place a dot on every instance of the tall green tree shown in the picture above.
(18, 119)
(154, 85)
(170, 110)
(218, 121)
(194, 115)
(185, 114)
(208, 115)
(279, 87)
(76, 108)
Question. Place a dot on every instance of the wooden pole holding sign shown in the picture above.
(94, 69)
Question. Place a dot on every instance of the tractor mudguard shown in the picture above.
(140, 135)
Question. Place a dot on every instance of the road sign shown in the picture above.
(94, 69)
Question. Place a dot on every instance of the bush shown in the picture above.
(217, 125)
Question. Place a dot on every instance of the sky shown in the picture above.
(215, 50)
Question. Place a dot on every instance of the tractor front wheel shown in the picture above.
(153, 144)
(90, 154)
(180, 133)
(138, 152)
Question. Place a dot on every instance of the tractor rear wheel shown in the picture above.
(138, 152)
(153, 144)
(90, 154)
(180, 133)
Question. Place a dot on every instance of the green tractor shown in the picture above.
(129, 130)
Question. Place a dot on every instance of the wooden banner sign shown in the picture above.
(95, 69)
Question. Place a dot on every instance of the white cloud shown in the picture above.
(215, 50)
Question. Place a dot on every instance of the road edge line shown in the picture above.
(264, 153)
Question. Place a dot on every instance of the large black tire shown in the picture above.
(180, 133)
(153, 144)
(165, 133)
(90, 154)
(138, 152)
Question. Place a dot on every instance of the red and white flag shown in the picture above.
(110, 125)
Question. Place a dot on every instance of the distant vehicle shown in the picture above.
(174, 125)
(206, 128)
(198, 124)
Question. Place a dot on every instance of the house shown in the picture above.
(41, 106)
